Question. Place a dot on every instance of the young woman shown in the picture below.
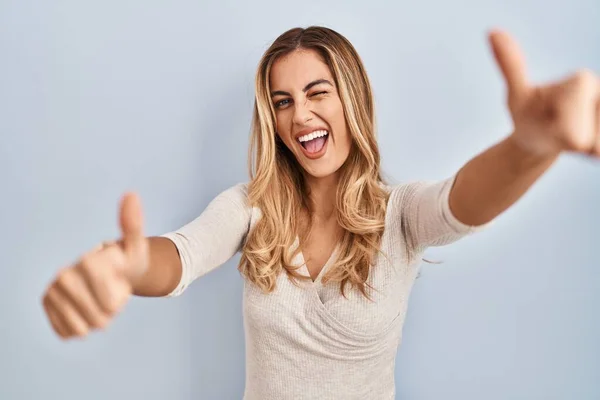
(329, 251)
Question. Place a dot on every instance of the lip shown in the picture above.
(319, 154)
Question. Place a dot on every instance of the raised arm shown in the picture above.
(548, 120)
(87, 294)
(213, 237)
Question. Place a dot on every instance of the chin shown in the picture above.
(321, 172)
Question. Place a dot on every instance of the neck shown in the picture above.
(322, 195)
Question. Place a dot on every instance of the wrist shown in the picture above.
(530, 151)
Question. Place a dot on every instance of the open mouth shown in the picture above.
(314, 144)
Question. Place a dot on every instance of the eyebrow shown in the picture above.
(306, 88)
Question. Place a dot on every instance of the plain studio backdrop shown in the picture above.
(99, 98)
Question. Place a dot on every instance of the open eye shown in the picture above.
(282, 103)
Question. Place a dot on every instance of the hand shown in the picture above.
(88, 294)
(550, 119)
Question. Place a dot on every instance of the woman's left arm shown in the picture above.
(548, 120)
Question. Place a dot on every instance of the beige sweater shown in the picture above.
(309, 342)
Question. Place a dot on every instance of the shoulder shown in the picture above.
(237, 193)
(407, 194)
(399, 191)
(232, 201)
(414, 186)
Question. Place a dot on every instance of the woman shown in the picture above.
(329, 252)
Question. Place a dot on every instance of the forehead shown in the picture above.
(295, 70)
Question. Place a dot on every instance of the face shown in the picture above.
(309, 115)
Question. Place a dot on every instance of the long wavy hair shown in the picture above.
(277, 186)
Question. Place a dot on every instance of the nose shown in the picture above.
(302, 113)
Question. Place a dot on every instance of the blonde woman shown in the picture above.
(329, 251)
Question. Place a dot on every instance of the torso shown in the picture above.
(345, 346)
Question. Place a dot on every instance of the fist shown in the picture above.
(88, 294)
(550, 119)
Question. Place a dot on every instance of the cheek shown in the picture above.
(280, 129)
(282, 124)
(334, 111)
(285, 138)
(337, 120)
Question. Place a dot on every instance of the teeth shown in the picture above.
(312, 135)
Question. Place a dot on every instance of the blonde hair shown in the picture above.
(277, 184)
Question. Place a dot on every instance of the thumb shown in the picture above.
(511, 62)
(131, 221)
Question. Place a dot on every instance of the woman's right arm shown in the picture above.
(179, 257)
(208, 241)
(164, 269)
(87, 294)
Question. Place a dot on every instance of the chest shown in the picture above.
(315, 308)
(318, 249)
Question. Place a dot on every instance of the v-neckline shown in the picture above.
(323, 268)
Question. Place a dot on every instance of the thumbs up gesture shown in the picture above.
(88, 294)
(561, 116)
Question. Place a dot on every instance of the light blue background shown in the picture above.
(100, 97)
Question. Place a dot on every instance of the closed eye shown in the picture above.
(285, 102)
